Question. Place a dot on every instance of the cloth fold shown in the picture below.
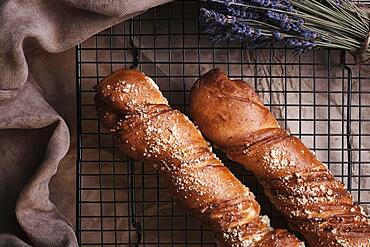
(33, 136)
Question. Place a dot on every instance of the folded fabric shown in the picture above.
(33, 136)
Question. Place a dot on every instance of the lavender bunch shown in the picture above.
(301, 24)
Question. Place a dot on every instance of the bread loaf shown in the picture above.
(231, 115)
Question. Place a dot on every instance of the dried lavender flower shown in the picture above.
(221, 27)
(303, 24)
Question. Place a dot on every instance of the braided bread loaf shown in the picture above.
(232, 116)
(131, 106)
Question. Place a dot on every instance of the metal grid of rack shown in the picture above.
(321, 97)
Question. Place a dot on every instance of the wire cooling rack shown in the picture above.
(321, 97)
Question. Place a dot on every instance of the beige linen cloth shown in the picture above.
(37, 95)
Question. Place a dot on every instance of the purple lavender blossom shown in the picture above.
(276, 35)
(300, 45)
(221, 27)
(307, 34)
(227, 20)
(241, 13)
